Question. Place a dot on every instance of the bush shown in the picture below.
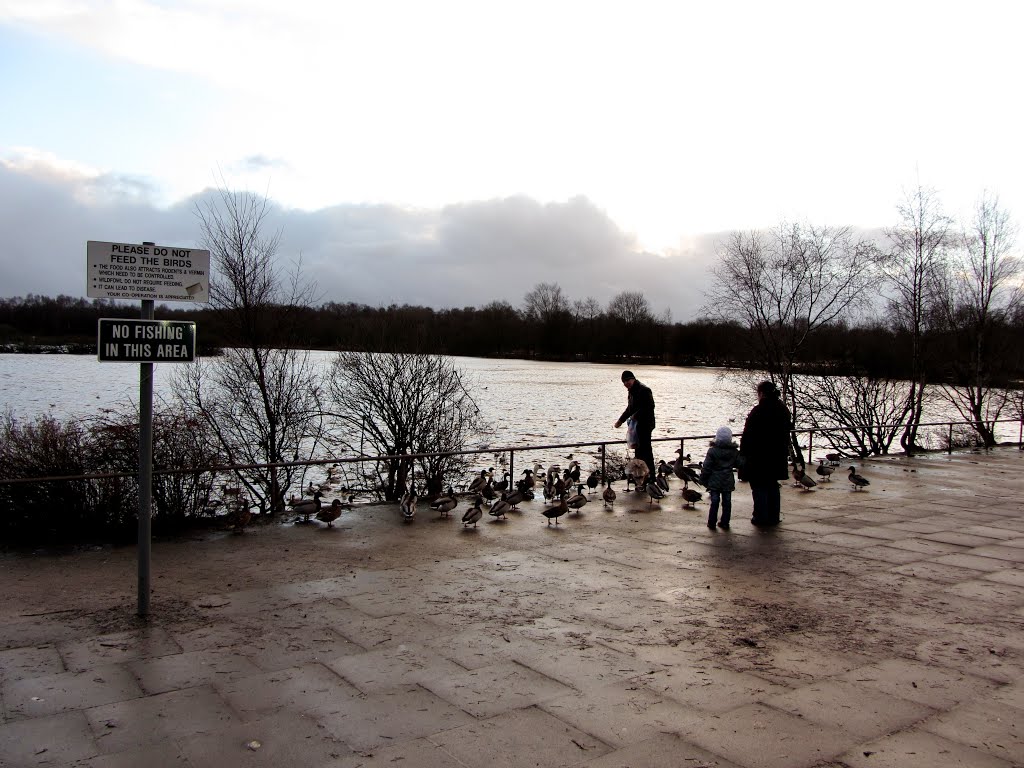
(63, 511)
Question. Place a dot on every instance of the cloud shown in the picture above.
(466, 254)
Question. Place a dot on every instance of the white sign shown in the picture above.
(156, 272)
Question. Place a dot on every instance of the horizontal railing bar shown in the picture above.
(474, 451)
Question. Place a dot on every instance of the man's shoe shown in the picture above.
(724, 526)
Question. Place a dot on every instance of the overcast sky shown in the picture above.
(454, 153)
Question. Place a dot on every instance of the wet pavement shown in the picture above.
(876, 627)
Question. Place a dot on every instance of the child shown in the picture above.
(716, 476)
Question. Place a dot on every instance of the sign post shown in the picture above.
(149, 272)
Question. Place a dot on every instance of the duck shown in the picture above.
(803, 480)
(516, 497)
(578, 500)
(308, 507)
(444, 504)
(241, 516)
(408, 506)
(594, 480)
(858, 481)
(500, 507)
(654, 490)
(310, 489)
(690, 496)
(330, 514)
(556, 511)
(609, 493)
(661, 479)
(502, 485)
(528, 481)
(573, 472)
(824, 471)
(475, 512)
(478, 482)
(488, 491)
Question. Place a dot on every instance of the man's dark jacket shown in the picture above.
(641, 406)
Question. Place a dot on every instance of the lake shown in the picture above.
(526, 402)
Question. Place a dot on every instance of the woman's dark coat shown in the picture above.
(764, 445)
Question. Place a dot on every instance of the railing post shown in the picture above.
(810, 445)
(949, 445)
(511, 470)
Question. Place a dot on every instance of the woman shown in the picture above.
(764, 453)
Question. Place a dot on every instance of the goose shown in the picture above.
(475, 512)
(444, 504)
(636, 472)
(555, 512)
(408, 506)
(858, 480)
(609, 493)
(824, 471)
(654, 491)
(578, 500)
(574, 472)
(330, 514)
(594, 480)
(478, 482)
(685, 473)
(500, 507)
(308, 507)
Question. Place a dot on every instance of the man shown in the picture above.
(640, 407)
(764, 453)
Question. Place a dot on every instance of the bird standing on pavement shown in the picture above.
(408, 507)
(857, 480)
(330, 514)
(556, 511)
(578, 500)
(824, 471)
(609, 493)
(444, 504)
(474, 513)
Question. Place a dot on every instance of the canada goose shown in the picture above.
(555, 512)
(408, 506)
(609, 493)
(502, 485)
(444, 504)
(307, 507)
(500, 507)
(330, 514)
(478, 482)
(578, 500)
(824, 471)
(574, 472)
(857, 480)
(475, 512)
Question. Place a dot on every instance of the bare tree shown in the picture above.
(398, 404)
(981, 291)
(916, 258)
(631, 308)
(586, 310)
(261, 398)
(787, 284)
(857, 414)
(544, 302)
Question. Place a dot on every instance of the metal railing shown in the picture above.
(600, 445)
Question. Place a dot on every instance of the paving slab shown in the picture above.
(50, 694)
(523, 738)
(52, 740)
(919, 749)
(497, 688)
(666, 750)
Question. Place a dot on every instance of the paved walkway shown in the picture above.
(882, 627)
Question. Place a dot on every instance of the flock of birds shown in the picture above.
(562, 488)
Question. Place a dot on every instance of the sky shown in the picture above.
(452, 153)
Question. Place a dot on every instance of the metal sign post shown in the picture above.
(151, 273)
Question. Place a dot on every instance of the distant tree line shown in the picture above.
(557, 330)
